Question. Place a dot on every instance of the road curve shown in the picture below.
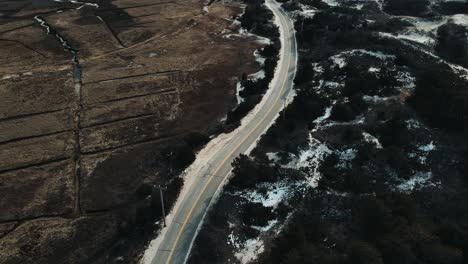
(177, 241)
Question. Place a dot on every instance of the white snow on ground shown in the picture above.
(346, 156)
(276, 193)
(357, 121)
(255, 76)
(419, 180)
(83, 4)
(359, 6)
(10, 76)
(233, 241)
(331, 2)
(318, 68)
(371, 139)
(338, 60)
(259, 58)
(250, 250)
(332, 85)
(460, 19)
(459, 70)
(258, 75)
(13, 76)
(380, 4)
(425, 30)
(239, 88)
(427, 26)
(318, 121)
(306, 11)
(412, 124)
(374, 70)
(376, 54)
(406, 79)
(375, 98)
(260, 39)
(242, 32)
(427, 148)
(273, 156)
(416, 37)
(422, 152)
(266, 228)
(310, 159)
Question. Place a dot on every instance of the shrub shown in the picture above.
(256, 214)
(407, 7)
(452, 44)
(439, 254)
(362, 252)
(196, 139)
(247, 172)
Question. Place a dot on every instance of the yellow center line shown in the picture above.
(219, 167)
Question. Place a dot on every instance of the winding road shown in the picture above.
(177, 240)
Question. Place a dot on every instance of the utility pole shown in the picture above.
(162, 202)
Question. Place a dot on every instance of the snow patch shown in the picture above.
(239, 88)
(250, 250)
(371, 139)
(459, 70)
(266, 228)
(346, 157)
(259, 58)
(412, 124)
(306, 11)
(10, 76)
(273, 156)
(338, 60)
(275, 194)
(375, 98)
(416, 37)
(82, 4)
(419, 180)
(331, 2)
(319, 120)
(257, 76)
(310, 159)
(427, 148)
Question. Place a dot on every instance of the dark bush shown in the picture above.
(362, 252)
(438, 101)
(196, 139)
(435, 253)
(255, 214)
(394, 133)
(375, 217)
(452, 44)
(143, 191)
(453, 7)
(407, 7)
(395, 250)
(247, 172)
(342, 112)
(465, 167)
(183, 157)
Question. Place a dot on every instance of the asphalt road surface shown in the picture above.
(176, 244)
